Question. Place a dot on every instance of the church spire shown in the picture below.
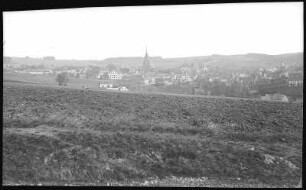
(146, 51)
(146, 62)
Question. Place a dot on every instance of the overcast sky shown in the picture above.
(167, 31)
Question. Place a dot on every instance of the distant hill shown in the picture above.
(130, 61)
(37, 61)
(251, 60)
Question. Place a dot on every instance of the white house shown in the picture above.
(110, 88)
(146, 82)
(168, 83)
(113, 75)
(186, 78)
(266, 97)
(105, 85)
(124, 89)
(36, 72)
(280, 97)
(277, 97)
(48, 71)
(150, 81)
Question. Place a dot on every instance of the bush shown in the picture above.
(62, 79)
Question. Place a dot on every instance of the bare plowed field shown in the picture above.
(63, 136)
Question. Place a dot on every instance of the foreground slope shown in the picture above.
(57, 136)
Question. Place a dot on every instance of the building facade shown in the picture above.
(295, 79)
(114, 75)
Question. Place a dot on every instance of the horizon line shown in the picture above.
(151, 56)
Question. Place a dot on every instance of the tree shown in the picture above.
(104, 76)
(62, 79)
(125, 70)
(111, 67)
(192, 91)
(92, 72)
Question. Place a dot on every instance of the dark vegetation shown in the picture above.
(74, 136)
(62, 79)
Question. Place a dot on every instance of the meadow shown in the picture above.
(49, 80)
(57, 136)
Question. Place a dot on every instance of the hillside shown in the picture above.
(59, 136)
(37, 61)
(251, 60)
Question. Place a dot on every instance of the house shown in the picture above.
(272, 69)
(115, 75)
(266, 97)
(147, 81)
(280, 97)
(224, 80)
(102, 85)
(36, 72)
(212, 79)
(11, 65)
(168, 83)
(276, 97)
(112, 88)
(124, 89)
(150, 81)
(242, 75)
(72, 71)
(185, 78)
(48, 71)
(295, 79)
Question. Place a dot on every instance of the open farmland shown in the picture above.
(69, 136)
(46, 80)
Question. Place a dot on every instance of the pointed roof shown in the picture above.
(146, 54)
(146, 62)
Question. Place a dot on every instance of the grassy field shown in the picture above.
(60, 136)
(49, 80)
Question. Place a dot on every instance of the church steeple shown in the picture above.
(146, 62)
(146, 55)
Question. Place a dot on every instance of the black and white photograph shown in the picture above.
(185, 95)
